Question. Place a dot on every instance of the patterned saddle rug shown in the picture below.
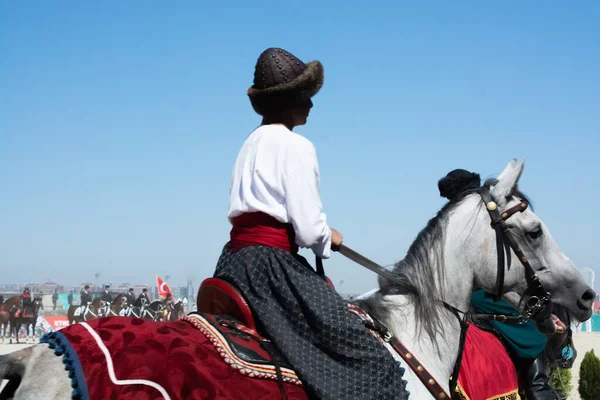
(197, 357)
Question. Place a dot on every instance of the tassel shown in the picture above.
(76, 394)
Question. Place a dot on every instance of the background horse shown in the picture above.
(4, 314)
(117, 305)
(155, 310)
(176, 311)
(92, 312)
(141, 312)
(27, 319)
(451, 257)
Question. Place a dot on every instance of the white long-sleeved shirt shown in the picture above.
(277, 172)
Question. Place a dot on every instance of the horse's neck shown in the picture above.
(437, 356)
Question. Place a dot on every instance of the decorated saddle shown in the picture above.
(244, 349)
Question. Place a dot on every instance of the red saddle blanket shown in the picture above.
(205, 356)
(135, 359)
(486, 372)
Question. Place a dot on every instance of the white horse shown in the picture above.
(452, 256)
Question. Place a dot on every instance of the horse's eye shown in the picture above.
(535, 234)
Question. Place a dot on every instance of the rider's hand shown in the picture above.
(559, 326)
(336, 239)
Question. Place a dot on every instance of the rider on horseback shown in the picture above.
(142, 300)
(275, 208)
(130, 297)
(26, 300)
(168, 307)
(105, 301)
(85, 299)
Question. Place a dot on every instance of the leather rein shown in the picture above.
(536, 303)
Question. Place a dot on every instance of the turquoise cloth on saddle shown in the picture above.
(524, 341)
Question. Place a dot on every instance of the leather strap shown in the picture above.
(320, 269)
(461, 347)
(502, 248)
(424, 376)
(499, 317)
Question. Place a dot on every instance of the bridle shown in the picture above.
(539, 298)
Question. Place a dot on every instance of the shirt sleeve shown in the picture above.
(304, 207)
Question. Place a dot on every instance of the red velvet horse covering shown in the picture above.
(486, 372)
(135, 359)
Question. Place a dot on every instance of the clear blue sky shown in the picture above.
(120, 123)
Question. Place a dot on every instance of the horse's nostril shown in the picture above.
(589, 295)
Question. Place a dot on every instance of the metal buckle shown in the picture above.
(534, 305)
(387, 336)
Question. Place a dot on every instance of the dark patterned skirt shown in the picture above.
(332, 352)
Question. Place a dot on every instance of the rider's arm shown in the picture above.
(301, 184)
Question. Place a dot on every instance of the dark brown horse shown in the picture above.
(26, 317)
(176, 311)
(91, 312)
(4, 313)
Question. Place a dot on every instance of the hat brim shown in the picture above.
(288, 94)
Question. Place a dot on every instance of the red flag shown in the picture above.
(163, 288)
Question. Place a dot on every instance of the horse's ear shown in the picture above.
(507, 181)
(511, 164)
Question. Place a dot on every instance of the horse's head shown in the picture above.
(462, 248)
(534, 252)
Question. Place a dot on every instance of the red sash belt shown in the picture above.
(257, 228)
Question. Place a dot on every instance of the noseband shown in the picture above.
(539, 298)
